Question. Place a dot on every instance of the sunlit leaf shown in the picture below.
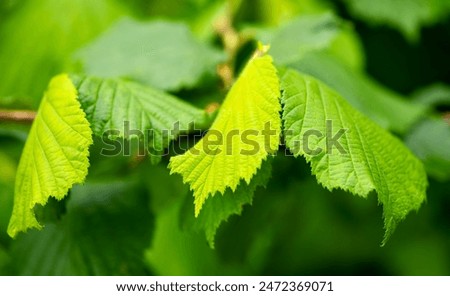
(55, 155)
(223, 157)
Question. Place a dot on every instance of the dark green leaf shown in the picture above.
(105, 231)
(120, 108)
(430, 141)
(161, 54)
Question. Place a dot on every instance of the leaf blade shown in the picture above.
(55, 155)
(373, 160)
(252, 102)
(134, 109)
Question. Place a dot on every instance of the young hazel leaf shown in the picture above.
(245, 132)
(55, 155)
(120, 108)
(346, 150)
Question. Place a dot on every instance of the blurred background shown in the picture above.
(389, 59)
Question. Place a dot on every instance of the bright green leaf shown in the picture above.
(430, 141)
(222, 158)
(132, 109)
(161, 54)
(55, 155)
(364, 158)
(105, 230)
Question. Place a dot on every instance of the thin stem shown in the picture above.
(446, 117)
(232, 42)
(22, 116)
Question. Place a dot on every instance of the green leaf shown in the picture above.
(222, 158)
(221, 206)
(430, 141)
(28, 61)
(365, 158)
(105, 230)
(296, 38)
(380, 104)
(161, 54)
(408, 16)
(55, 155)
(132, 109)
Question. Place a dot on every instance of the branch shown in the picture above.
(22, 116)
(232, 42)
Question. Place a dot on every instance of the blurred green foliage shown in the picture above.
(128, 50)
(130, 218)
